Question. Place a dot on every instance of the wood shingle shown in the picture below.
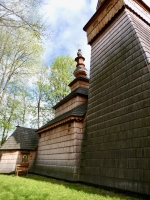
(80, 91)
(21, 139)
(78, 111)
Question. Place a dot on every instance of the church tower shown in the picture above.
(116, 147)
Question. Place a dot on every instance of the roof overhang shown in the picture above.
(108, 10)
(73, 94)
(61, 122)
(79, 78)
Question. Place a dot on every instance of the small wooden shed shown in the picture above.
(20, 147)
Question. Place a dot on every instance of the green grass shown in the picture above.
(42, 188)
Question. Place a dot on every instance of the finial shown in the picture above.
(79, 53)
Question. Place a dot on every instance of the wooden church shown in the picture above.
(101, 130)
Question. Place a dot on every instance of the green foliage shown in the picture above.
(61, 74)
(28, 91)
(20, 57)
(19, 53)
(11, 110)
(51, 86)
(42, 188)
(40, 111)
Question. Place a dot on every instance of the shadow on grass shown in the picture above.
(88, 189)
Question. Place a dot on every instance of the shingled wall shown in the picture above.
(59, 150)
(116, 147)
(8, 161)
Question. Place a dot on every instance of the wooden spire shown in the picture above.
(80, 67)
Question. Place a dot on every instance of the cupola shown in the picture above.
(80, 67)
(80, 73)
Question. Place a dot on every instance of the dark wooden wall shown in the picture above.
(116, 147)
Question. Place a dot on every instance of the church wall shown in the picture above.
(116, 147)
(69, 105)
(59, 150)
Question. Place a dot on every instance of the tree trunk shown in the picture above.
(4, 90)
(3, 139)
(24, 112)
(38, 107)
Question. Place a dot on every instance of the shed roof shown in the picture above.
(22, 139)
(79, 111)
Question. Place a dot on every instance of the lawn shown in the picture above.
(43, 188)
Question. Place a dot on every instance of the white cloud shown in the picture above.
(67, 19)
(147, 2)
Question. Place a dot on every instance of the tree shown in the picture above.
(50, 87)
(40, 111)
(61, 74)
(9, 113)
(29, 99)
(16, 108)
(15, 14)
(18, 56)
(25, 98)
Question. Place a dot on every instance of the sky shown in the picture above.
(67, 19)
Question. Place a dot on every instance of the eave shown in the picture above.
(61, 122)
(108, 11)
(73, 94)
(80, 78)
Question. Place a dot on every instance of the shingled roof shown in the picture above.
(81, 91)
(22, 139)
(79, 111)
